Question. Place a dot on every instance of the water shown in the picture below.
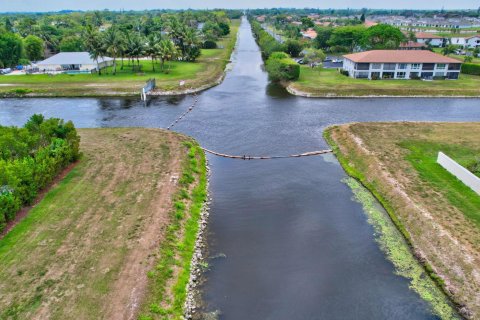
(296, 246)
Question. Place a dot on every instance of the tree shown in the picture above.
(166, 51)
(293, 47)
(11, 49)
(225, 28)
(33, 48)
(307, 23)
(312, 56)
(93, 44)
(362, 18)
(448, 50)
(323, 35)
(382, 36)
(349, 37)
(281, 68)
(8, 25)
(191, 45)
(112, 45)
(151, 47)
(71, 44)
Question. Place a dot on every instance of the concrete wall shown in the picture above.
(460, 172)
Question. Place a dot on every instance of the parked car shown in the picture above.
(5, 71)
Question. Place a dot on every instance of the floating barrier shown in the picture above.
(184, 114)
(247, 157)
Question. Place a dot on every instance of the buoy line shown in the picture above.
(248, 157)
(184, 114)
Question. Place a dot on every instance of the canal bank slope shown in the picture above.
(438, 216)
(208, 71)
(115, 238)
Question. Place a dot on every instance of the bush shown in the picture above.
(265, 41)
(293, 47)
(30, 158)
(471, 68)
(282, 69)
(209, 44)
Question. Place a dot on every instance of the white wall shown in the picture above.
(460, 172)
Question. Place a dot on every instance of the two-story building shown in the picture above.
(428, 38)
(401, 64)
(466, 42)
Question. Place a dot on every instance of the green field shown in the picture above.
(202, 73)
(318, 82)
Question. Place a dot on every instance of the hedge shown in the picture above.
(30, 158)
(265, 41)
(282, 68)
(471, 68)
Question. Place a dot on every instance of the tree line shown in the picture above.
(27, 36)
(30, 158)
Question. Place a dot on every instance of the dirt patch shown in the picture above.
(83, 252)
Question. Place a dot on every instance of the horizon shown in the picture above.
(33, 6)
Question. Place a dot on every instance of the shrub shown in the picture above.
(30, 158)
(293, 47)
(471, 68)
(283, 69)
(209, 44)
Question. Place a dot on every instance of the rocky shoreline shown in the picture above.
(192, 302)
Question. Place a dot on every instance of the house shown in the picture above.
(412, 45)
(309, 34)
(466, 42)
(401, 64)
(428, 38)
(73, 61)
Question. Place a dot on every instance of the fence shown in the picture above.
(151, 83)
(460, 172)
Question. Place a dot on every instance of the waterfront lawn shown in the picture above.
(208, 68)
(85, 250)
(329, 82)
(437, 213)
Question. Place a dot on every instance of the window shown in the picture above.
(389, 66)
(362, 66)
(414, 75)
(388, 75)
(441, 66)
(402, 66)
(427, 75)
(439, 74)
(454, 66)
(362, 75)
(452, 75)
(376, 66)
(401, 75)
(416, 66)
(428, 66)
(375, 75)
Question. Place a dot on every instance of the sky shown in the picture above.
(57, 5)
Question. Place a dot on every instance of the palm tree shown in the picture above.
(93, 45)
(166, 51)
(135, 47)
(151, 47)
(192, 44)
(112, 45)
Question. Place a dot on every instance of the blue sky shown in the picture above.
(56, 5)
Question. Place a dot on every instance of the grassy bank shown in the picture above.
(320, 82)
(87, 250)
(204, 72)
(437, 215)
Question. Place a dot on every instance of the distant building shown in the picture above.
(428, 38)
(466, 42)
(401, 64)
(261, 18)
(412, 45)
(73, 61)
(309, 34)
(369, 23)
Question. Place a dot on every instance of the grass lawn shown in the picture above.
(437, 213)
(318, 82)
(202, 73)
(87, 250)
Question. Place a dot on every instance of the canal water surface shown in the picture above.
(289, 241)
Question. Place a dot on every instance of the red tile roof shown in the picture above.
(425, 35)
(412, 44)
(399, 56)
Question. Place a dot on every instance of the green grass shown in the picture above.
(199, 74)
(329, 82)
(178, 249)
(423, 157)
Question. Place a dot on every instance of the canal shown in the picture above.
(286, 238)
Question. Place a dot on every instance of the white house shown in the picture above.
(73, 61)
(401, 64)
(428, 38)
(466, 42)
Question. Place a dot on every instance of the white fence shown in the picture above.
(460, 172)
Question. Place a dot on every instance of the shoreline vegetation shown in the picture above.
(116, 237)
(436, 214)
(206, 72)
